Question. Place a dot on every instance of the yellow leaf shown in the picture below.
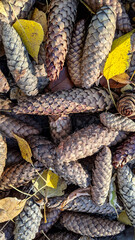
(2, 9)
(123, 218)
(32, 35)
(52, 179)
(24, 148)
(40, 17)
(119, 58)
(10, 208)
(122, 78)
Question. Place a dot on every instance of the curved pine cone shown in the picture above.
(4, 85)
(126, 104)
(66, 235)
(101, 177)
(75, 53)
(117, 122)
(3, 153)
(5, 104)
(91, 226)
(97, 45)
(61, 18)
(126, 183)
(123, 22)
(124, 152)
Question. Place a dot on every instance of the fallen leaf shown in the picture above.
(122, 78)
(113, 84)
(3, 154)
(119, 58)
(10, 208)
(52, 179)
(40, 17)
(32, 35)
(2, 9)
(24, 148)
(123, 218)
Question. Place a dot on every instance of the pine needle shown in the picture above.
(86, 5)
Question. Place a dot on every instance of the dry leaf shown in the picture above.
(113, 84)
(2, 9)
(119, 58)
(10, 208)
(40, 17)
(32, 35)
(123, 218)
(122, 78)
(52, 179)
(24, 148)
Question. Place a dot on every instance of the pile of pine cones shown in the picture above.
(77, 132)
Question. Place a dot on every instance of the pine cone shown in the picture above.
(97, 45)
(41, 75)
(63, 236)
(7, 230)
(75, 53)
(131, 69)
(87, 225)
(5, 104)
(60, 127)
(13, 157)
(101, 177)
(117, 122)
(126, 104)
(125, 152)
(126, 183)
(52, 216)
(61, 18)
(4, 86)
(9, 125)
(18, 61)
(20, 174)
(68, 101)
(28, 221)
(123, 22)
(3, 153)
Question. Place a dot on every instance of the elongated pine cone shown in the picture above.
(123, 22)
(41, 75)
(60, 127)
(86, 205)
(52, 216)
(10, 125)
(124, 152)
(61, 19)
(126, 104)
(13, 157)
(87, 225)
(7, 230)
(63, 236)
(28, 221)
(75, 53)
(4, 86)
(97, 45)
(117, 122)
(3, 153)
(66, 101)
(126, 183)
(101, 177)
(5, 104)
(18, 61)
(20, 174)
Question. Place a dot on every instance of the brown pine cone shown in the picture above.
(123, 22)
(20, 174)
(126, 104)
(75, 53)
(124, 152)
(28, 221)
(101, 177)
(52, 216)
(117, 122)
(7, 230)
(41, 75)
(13, 157)
(9, 125)
(18, 61)
(61, 18)
(3, 153)
(5, 104)
(126, 183)
(97, 45)
(66, 101)
(87, 225)
(4, 86)
(63, 236)
(60, 127)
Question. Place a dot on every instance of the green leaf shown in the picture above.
(123, 218)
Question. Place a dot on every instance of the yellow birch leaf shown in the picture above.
(122, 78)
(32, 35)
(119, 58)
(24, 148)
(2, 9)
(40, 17)
(10, 208)
(123, 218)
(52, 179)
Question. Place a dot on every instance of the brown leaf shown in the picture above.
(122, 78)
(113, 84)
(40, 17)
